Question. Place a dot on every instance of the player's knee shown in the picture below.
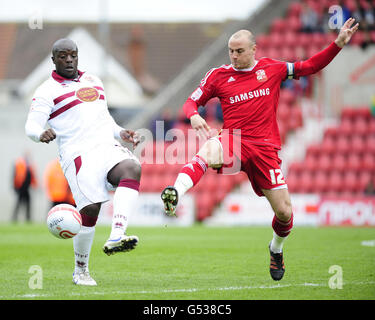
(211, 152)
(91, 210)
(127, 169)
(133, 170)
(284, 210)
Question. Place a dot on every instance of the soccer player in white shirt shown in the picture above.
(73, 103)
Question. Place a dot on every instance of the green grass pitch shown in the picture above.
(197, 263)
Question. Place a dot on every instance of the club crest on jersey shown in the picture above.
(261, 75)
(87, 94)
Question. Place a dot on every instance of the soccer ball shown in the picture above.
(64, 221)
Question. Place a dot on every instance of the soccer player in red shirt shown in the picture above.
(248, 90)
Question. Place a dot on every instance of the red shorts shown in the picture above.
(260, 162)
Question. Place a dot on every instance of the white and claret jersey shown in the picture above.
(77, 111)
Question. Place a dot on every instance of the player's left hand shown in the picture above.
(346, 32)
(130, 136)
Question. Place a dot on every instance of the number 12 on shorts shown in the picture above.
(277, 176)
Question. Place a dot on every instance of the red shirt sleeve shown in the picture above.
(316, 63)
(201, 95)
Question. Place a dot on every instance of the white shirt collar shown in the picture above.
(247, 69)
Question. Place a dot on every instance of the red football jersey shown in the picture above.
(249, 97)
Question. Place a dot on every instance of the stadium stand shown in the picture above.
(342, 163)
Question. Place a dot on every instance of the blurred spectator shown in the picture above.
(368, 22)
(309, 19)
(346, 14)
(366, 41)
(57, 187)
(370, 188)
(24, 177)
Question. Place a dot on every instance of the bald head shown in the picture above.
(65, 58)
(242, 47)
(243, 35)
(63, 45)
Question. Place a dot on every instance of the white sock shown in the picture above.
(124, 203)
(277, 243)
(82, 243)
(183, 183)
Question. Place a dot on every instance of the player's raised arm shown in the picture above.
(320, 60)
(346, 32)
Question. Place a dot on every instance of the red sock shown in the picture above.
(281, 228)
(88, 221)
(195, 169)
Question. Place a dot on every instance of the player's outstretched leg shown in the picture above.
(124, 203)
(122, 243)
(277, 268)
(188, 177)
(281, 232)
(170, 200)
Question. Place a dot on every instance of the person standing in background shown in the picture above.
(24, 177)
(57, 187)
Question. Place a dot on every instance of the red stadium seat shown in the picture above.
(310, 162)
(294, 23)
(351, 182)
(320, 184)
(364, 180)
(287, 96)
(324, 163)
(339, 162)
(318, 39)
(368, 162)
(328, 145)
(348, 114)
(370, 144)
(276, 40)
(343, 144)
(304, 40)
(371, 126)
(283, 112)
(357, 38)
(263, 41)
(364, 112)
(335, 181)
(314, 150)
(353, 162)
(279, 25)
(296, 118)
(360, 126)
(296, 168)
(294, 9)
(346, 127)
(331, 132)
(372, 36)
(357, 144)
(293, 181)
(306, 182)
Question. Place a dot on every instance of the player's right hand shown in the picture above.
(47, 136)
(200, 126)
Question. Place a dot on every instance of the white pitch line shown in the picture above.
(306, 284)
